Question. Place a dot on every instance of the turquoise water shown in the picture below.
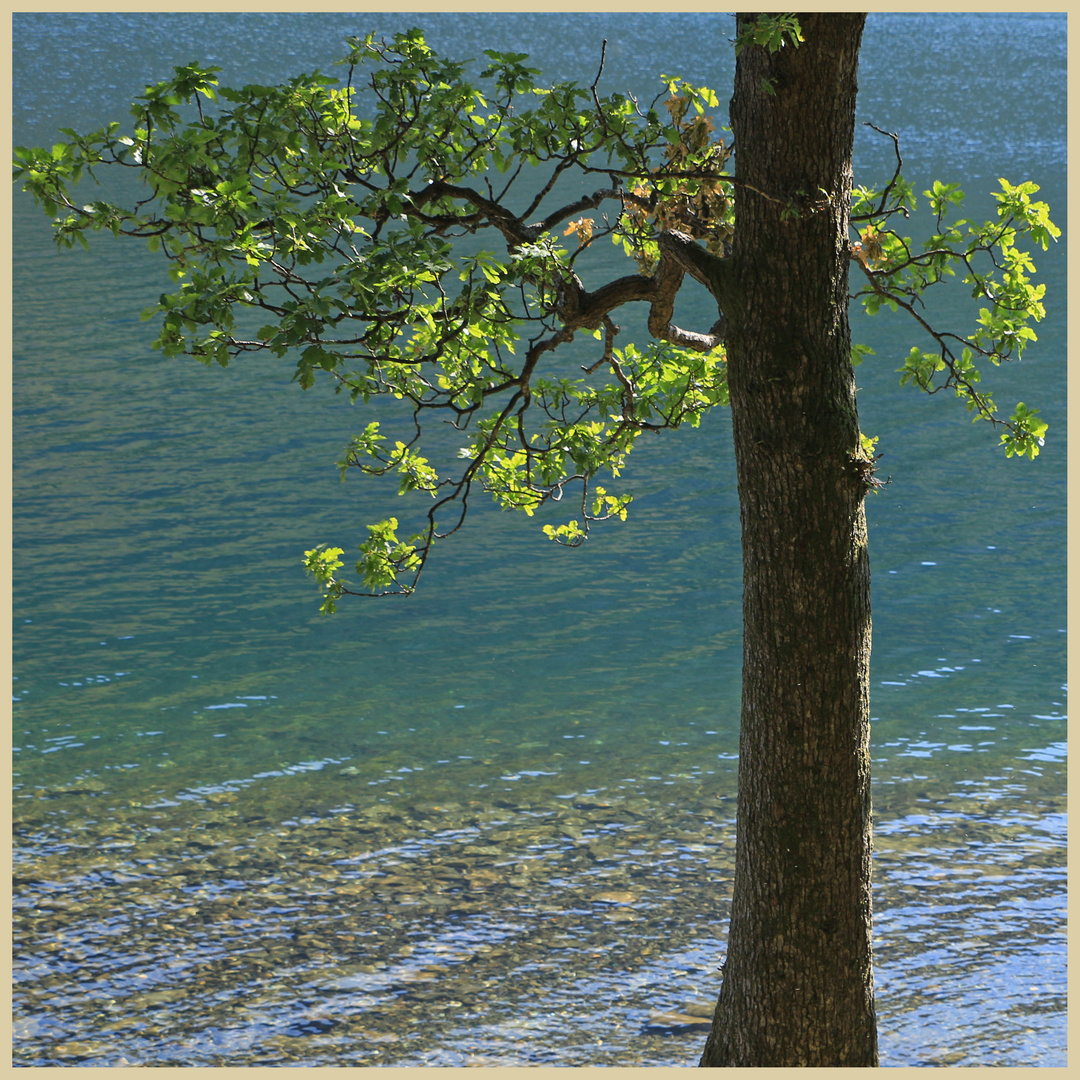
(247, 834)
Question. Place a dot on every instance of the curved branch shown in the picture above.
(679, 255)
(515, 231)
(586, 202)
(702, 265)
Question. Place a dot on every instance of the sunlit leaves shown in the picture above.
(605, 505)
(322, 563)
(1014, 204)
(688, 192)
(570, 534)
(1025, 434)
(988, 258)
(402, 234)
(941, 195)
(383, 557)
(920, 367)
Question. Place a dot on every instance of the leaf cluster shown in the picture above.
(409, 234)
(992, 258)
(396, 232)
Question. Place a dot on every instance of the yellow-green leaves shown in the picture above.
(569, 535)
(990, 258)
(1014, 204)
(416, 472)
(941, 195)
(384, 561)
(367, 444)
(605, 505)
(408, 235)
(367, 452)
(383, 557)
(920, 367)
(1025, 435)
(322, 562)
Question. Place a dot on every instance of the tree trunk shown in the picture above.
(798, 982)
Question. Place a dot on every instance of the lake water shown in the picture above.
(493, 824)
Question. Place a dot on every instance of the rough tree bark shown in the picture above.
(798, 985)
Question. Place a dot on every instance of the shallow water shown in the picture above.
(493, 824)
(294, 919)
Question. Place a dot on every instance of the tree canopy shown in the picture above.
(409, 233)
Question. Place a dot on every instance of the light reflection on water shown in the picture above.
(371, 905)
(244, 914)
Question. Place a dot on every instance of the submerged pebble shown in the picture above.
(240, 933)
